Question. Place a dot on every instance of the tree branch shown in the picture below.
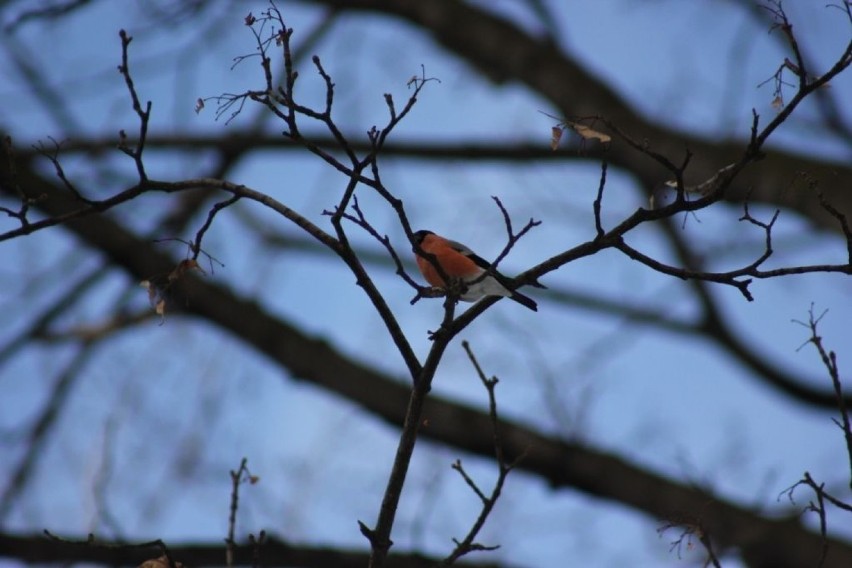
(275, 553)
(562, 464)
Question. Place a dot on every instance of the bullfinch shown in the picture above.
(458, 261)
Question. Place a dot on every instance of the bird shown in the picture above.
(459, 262)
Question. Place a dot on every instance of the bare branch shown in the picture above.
(238, 477)
(512, 237)
(829, 360)
(468, 544)
(690, 528)
(91, 542)
(264, 550)
(53, 156)
(195, 246)
(144, 115)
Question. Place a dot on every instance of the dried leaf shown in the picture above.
(555, 136)
(253, 479)
(183, 267)
(199, 105)
(250, 19)
(152, 291)
(706, 187)
(161, 562)
(777, 103)
(588, 133)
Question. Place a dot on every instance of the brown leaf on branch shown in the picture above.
(155, 298)
(152, 292)
(161, 562)
(555, 137)
(183, 267)
(588, 133)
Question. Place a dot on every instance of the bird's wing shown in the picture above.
(485, 265)
(500, 280)
(478, 260)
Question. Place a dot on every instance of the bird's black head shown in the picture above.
(420, 235)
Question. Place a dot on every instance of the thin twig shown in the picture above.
(829, 360)
(144, 115)
(468, 544)
(238, 477)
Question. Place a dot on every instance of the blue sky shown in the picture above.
(184, 402)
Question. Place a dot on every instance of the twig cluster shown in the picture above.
(690, 529)
(709, 192)
(468, 543)
(361, 169)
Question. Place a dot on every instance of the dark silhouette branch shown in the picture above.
(829, 360)
(726, 523)
(238, 144)
(144, 115)
(501, 49)
(562, 464)
(468, 543)
(275, 553)
(711, 325)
